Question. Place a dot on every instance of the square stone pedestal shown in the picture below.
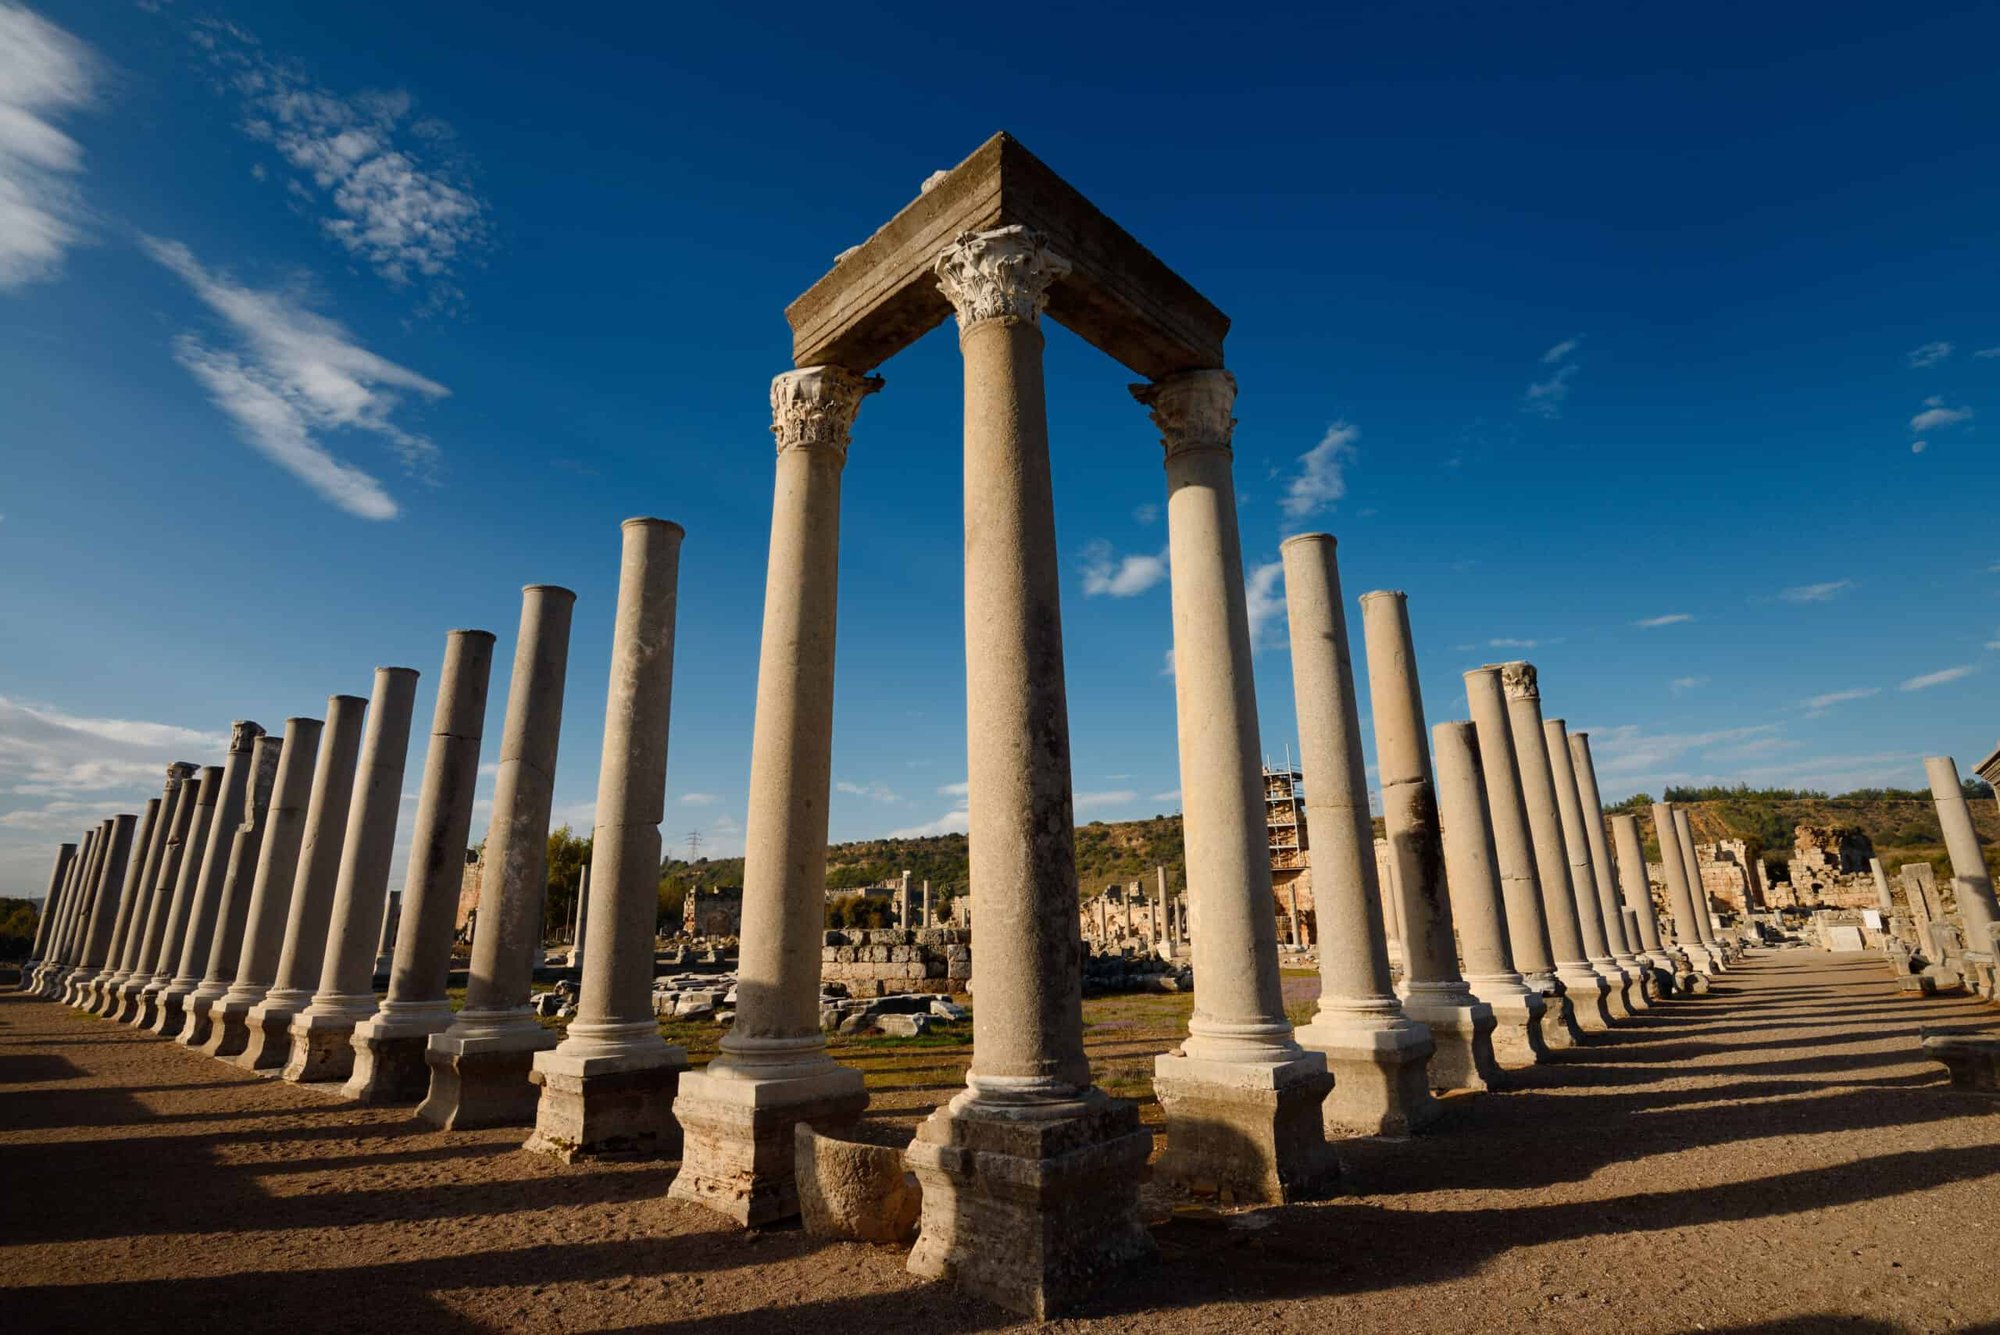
(1559, 1030)
(1251, 1131)
(1381, 1086)
(484, 1079)
(390, 1057)
(1518, 1018)
(1971, 1057)
(124, 1008)
(739, 1136)
(145, 1009)
(199, 1021)
(169, 1012)
(268, 1045)
(322, 1046)
(1588, 1008)
(228, 1027)
(1462, 1031)
(620, 1105)
(1030, 1215)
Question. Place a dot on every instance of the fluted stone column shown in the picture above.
(238, 881)
(1461, 1025)
(479, 1066)
(389, 1046)
(91, 925)
(738, 1117)
(1971, 884)
(172, 928)
(95, 995)
(309, 915)
(128, 1003)
(1624, 949)
(1584, 986)
(1029, 1112)
(1703, 919)
(48, 979)
(45, 920)
(609, 1087)
(117, 884)
(1639, 900)
(277, 862)
(1583, 873)
(322, 1033)
(205, 896)
(1376, 1054)
(1680, 898)
(1514, 847)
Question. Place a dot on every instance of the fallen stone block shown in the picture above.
(1971, 1056)
(949, 1010)
(903, 1026)
(852, 1190)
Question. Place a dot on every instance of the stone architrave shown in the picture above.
(93, 929)
(307, 917)
(51, 905)
(1376, 1054)
(93, 996)
(1680, 898)
(389, 1046)
(149, 920)
(322, 1033)
(112, 909)
(1698, 893)
(1583, 873)
(238, 880)
(1585, 987)
(1514, 846)
(1639, 897)
(1971, 884)
(205, 894)
(1029, 1112)
(263, 935)
(172, 924)
(479, 1066)
(48, 979)
(1624, 949)
(1434, 992)
(1241, 1097)
(738, 1117)
(609, 1086)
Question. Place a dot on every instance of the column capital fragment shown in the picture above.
(1191, 409)
(1518, 681)
(814, 407)
(1004, 274)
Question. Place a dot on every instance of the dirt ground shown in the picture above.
(1772, 1157)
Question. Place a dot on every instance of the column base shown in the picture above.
(170, 1010)
(391, 1057)
(199, 1022)
(66, 990)
(124, 1007)
(739, 1136)
(1462, 1031)
(1616, 984)
(323, 1041)
(1559, 1031)
(620, 1104)
(269, 1025)
(1378, 1062)
(483, 1079)
(97, 995)
(228, 1026)
(146, 1008)
(1634, 970)
(1587, 991)
(1030, 1215)
(1518, 1018)
(1249, 1130)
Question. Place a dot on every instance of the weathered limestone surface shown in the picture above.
(150, 918)
(1639, 897)
(238, 880)
(1624, 950)
(93, 996)
(205, 892)
(1973, 1059)
(94, 923)
(51, 905)
(854, 1191)
(163, 952)
(1583, 874)
(610, 1085)
(1697, 894)
(1680, 899)
(48, 979)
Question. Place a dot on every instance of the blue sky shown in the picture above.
(1664, 354)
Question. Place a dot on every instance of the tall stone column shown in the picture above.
(1514, 847)
(1029, 1112)
(582, 918)
(1461, 1025)
(389, 1046)
(1971, 884)
(263, 937)
(1242, 1098)
(121, 874)
(1885, 898)
(91, 925)
(238, 880)
(609, 1087)
(124, 953)
(738, 1117)
(1639, 897)
(1624, 950)
(1697, 891)
(1584, 986)
(163, 954)
(1583, 873)
(1680, 899)
(48, 978)
(309, 914)
(479, 1066)
(322, 1033)
(205, 897)
(150, 920)
(150, 835)
(1376, 1054)
(51, 905)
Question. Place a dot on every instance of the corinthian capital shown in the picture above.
(179, 772)
(243, 734)
(1191, 409)
(1518, 680)
(1004, 274)
(813, 408)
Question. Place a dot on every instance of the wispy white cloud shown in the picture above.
(1681, 685)
(952, 822)
(1264, 597)
(699, 799)
(1107, 574)
(299, 376)
(874, 790)
(1819, 704)
(1824, 592)
(1670, 619)
(1146, 514)
(1919, 446)
(1545, 397)
(1505, 642)
(1930, 354)
(1938, 678)
(959, 789)
(1985, 353)
(1096, 801)
(1167, 664)
(45, 75)
(1321, 479)
(1937, 415)
(1627, 752)
(1171, 795)
(1559, 353)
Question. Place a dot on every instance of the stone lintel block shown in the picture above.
(1118, 296)
(484, 1080)
(852, 1190)
(1251, 1131)
(601, 1106)
(739, 1137)
(1462, 1032)
(1032, 1216)
(1973, 1059)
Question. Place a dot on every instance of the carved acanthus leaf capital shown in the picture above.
(1518, 680)
(179, 772)
(814, 407)
(243, 734)
(1191, 410)
(1004, 274)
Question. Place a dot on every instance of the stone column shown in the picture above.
(120, 889)
(1514, 847)
(609, 1087)
(582, 917)
(238, 880)
(1639, 898)
(389, 1046)
(929, 921)
(45, 920)
(1697, 891)
(92, 932)
(310, 911)
(163, 953)
(96, 995)
(388, 932)
(1583, 872)
(1584, 986)
(1971, 884)
(1029, 1112)
(479, 1066)
(738, 1117)
(1461, 1024)
(54, 969)
(1624, 951)
(1376, 1054)
(322, 1033)
(1884, 896)
(205, 897)
(149, 920)
(1679, 898)
(263, 935)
